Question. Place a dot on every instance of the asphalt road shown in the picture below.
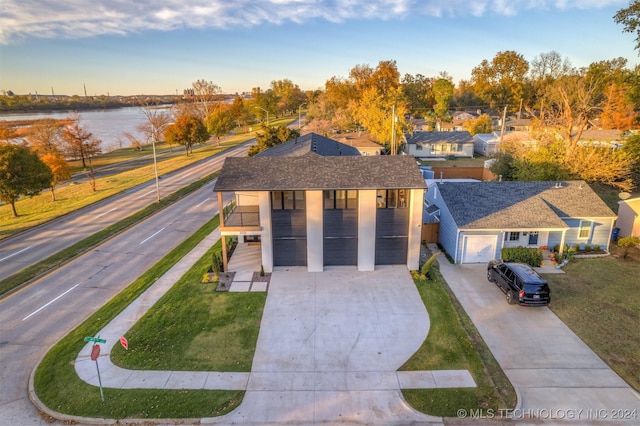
(29, 247)
(36, 317)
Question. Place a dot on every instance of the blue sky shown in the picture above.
(130, 47)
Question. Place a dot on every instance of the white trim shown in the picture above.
(590, 229)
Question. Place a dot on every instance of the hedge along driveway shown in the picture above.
(58, 386)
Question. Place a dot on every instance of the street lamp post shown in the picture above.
(155, 166)
(264, 111)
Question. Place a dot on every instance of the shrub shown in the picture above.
(587, 248)
(556, 248)
(596, 248)
(530, 256)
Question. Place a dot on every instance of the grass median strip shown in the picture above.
(454, 343)
(58, 386)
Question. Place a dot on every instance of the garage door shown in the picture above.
(478, 248)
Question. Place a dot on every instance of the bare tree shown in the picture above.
(45, 136)
(157, 121)
(79, 142)
(206, 94)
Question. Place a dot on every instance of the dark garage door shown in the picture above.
(289, 237)
(341, 237)
(392, 236)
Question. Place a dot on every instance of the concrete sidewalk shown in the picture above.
(553, 371)
(328, 351)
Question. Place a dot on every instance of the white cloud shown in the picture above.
(26, 19)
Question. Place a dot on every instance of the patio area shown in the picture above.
(246, 262)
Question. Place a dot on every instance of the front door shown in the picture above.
(533, 238)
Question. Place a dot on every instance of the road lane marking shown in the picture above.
(147, 239)
(102, 214)
(18, 252)
(199, 204)
(147, 193)
(47, 304)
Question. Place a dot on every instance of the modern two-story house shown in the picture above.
(320, 208)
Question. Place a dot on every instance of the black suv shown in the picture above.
(520, 282)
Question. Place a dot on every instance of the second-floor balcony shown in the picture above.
(242, 218)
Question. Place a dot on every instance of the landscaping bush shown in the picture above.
(530, 256)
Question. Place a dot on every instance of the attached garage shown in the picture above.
(392, 235)
(478, 248)
(289, 224)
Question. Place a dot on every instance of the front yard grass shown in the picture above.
(58, 386)
(454, 343)
(599, 299)
(195, 328)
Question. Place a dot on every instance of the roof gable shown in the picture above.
(504, 205)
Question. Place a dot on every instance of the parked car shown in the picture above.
(520, 282)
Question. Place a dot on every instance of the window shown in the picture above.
(585, 229)
(418, 147)
(287, 200)
(392, 198)
(341, 199)
(514, 236)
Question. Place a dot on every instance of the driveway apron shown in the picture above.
(555, 373)
(329, 347)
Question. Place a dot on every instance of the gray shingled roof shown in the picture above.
(319, 173)
(309, 143)
(440, 137)
(505, 205)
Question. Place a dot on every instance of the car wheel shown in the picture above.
(511, 299)
(489, 276)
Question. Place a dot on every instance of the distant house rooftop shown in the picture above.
(311, 143)
(440, 137)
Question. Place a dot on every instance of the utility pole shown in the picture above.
(504, 119)
(393, 130)
(85, 89)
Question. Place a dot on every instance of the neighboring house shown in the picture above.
(311, 142)
(629, 217)
(458, 119)
(421, 125)
(317, 211)
(439, 144)
(478, 219)
(486, 144)
(517, 124)
(360, 141)
(605, 138)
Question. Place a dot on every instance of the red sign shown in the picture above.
(95, 352)
(123, 342)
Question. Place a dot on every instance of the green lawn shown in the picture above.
(599, 299)
(454, 343)
(195, 328)
(58, 386)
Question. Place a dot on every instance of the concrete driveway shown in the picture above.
(555, 373)
(329, 347)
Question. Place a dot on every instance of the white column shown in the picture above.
(315, 234)
(367, 230)
(415, 228)
(266, 239)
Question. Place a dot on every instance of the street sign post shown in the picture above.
(95, 353)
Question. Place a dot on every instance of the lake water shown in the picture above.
(108, 125)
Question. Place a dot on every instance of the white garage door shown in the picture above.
(478, 248)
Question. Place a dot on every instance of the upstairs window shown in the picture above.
(341, 199)
(287, 200)
(392, 198)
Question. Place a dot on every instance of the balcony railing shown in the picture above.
(242, 218)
